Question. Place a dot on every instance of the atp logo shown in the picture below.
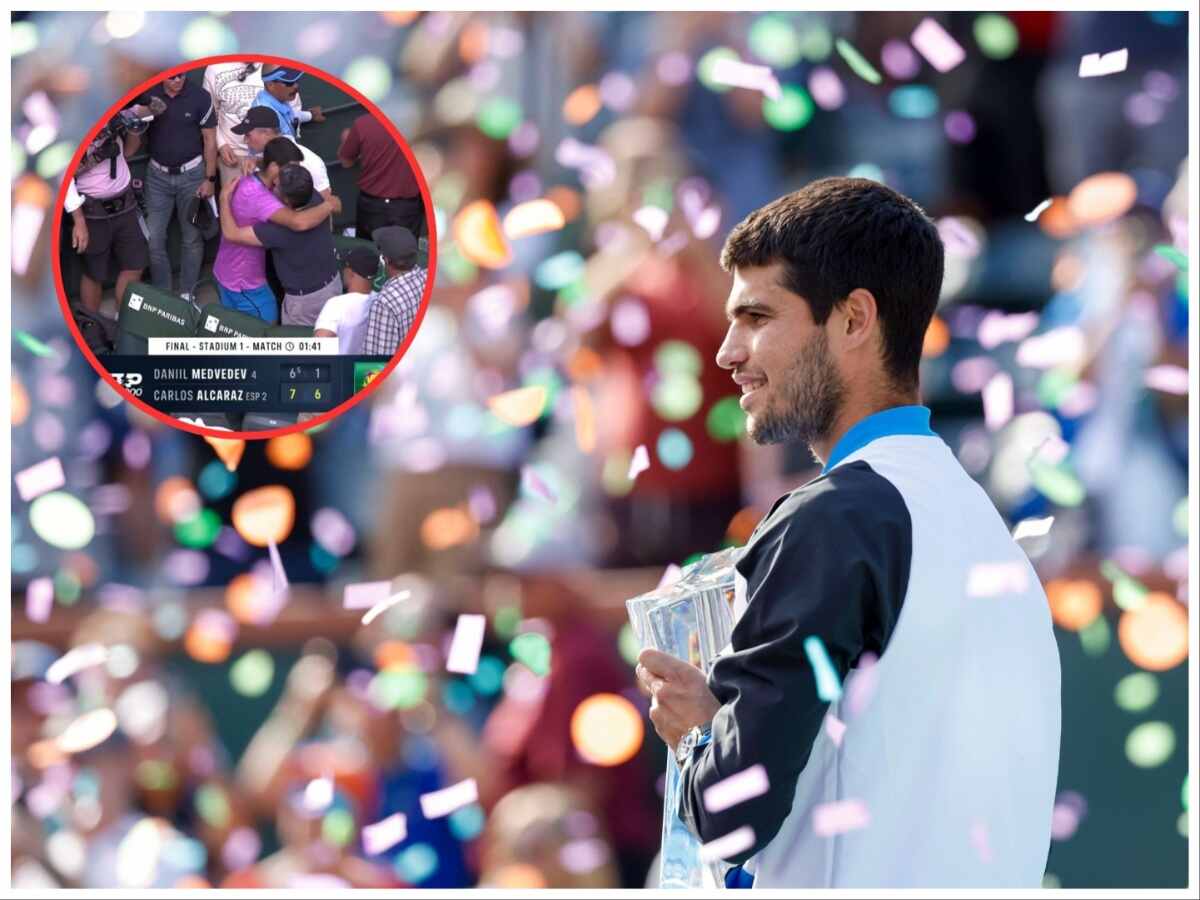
(135, 301)
(131, 381)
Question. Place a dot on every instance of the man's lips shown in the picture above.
(748, 383)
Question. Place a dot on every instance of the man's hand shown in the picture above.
(79, 235)
(205, 190)
(317, 115)
(249, 164)
(335, 202)
(227, 154)
(681, 698)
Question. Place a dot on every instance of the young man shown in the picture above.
(260, 126)
(387, 189)
(241, 269)
(345, 316)
(182, 166)
(394, 307)
(280, 88)
(305, 261)
(893, 670)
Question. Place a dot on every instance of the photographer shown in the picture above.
(183, 166)
(100, 199)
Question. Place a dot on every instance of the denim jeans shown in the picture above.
(167, 194)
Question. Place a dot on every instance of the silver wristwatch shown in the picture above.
(689, 742)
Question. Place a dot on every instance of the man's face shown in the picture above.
(284, 92)
(174, 84)
(791, 386)
(258, 138)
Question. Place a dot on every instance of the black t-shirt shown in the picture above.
(174, 136)
(304, 260)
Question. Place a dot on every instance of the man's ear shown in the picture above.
(858, 319)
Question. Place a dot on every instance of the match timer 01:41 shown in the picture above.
(305, 384)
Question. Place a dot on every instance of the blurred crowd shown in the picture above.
(558, 433)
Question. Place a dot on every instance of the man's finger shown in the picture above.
(663, 665)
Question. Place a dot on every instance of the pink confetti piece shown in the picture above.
(365, 594)
(438, 804)
(1032, 528)
(585, 855)
(216, 625)
(1052, 450)
(640, 462)
(1094, 65)
(835, 728)
(996, 328)
(1033, 214)
(384, 834)
(536, 485)
(76, 660)
(737, 788)
(653, 220)
(998, 401)
(1064, 821)
(994, 579)
(979, 840)
(39, 599)
(39, 479)
(333, 531)
(1168, 379)
(706, 224)
(241, 848)
(595, 166)
(673, 244)
(384, 605)
(279, 579)
(861, 684)
(468, 639)
(959, 239)
(318, 883)
(935, 44)
(839, 817)
(826, 88)
(481, 503)
(735, 73)
(728, 845)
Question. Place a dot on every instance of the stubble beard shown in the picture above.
(811, 395)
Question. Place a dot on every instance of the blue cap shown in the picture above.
(282, 73)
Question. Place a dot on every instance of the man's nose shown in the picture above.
(733, 351)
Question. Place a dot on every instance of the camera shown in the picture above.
(135, 119)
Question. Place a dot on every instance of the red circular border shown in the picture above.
(56, 240)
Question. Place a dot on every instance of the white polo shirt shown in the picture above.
(346, 316)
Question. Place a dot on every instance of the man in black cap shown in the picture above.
(305, 261)
(280, 85)
(345, 316)
(182, 166)
(259, 127)
(394, 309)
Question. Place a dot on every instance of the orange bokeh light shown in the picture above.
(1074, 604)
(245, 598)
(606, 729)
(1155, 635)
(582, 104)
(479, 236)
(176, 500)
(518, 875)
(742, 525)
(520, 407)
(395, 655)
(533, 217)
(209, 639)
(449, 527)
(290, 451)
(937, 338)
(585, 419)
(1101, 198)
(566, 199)
(264, 515)
(20, 401)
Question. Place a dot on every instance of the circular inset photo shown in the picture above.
(245, 244)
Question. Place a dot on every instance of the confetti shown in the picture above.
(829, 686)
(533, 484)
(585, 419)
(1168, 379)
(533, 217)
(994, 579)
(464, 648)
(728, 846)
(857, 62)
(39, 599)
(438, 804)
(264, 515)
(584, 855)
(935, 44)
(87, 731)
(228, 450)
(734, 73)
(839, 817)
(640, 462)
(279, 579)
(384, 834)
(1032, 215)
(979, 840)
(998, 401)
(480, 237)
(519, 407)
(366, 594)
(997, 328)
(1064, 346)
(835, 728)
(737, 788)
(384, 605)
(32, 344)
(318, 794)
(76, 660)
(653, 220)
(1032, 528)
(595, 166)
(1172, 255)
(1094, 65)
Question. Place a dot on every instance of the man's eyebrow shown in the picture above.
(747, 307)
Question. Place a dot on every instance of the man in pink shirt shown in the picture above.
(240, 270)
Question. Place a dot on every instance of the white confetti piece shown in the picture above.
(464, 648)
(365, 594)
(385, 834)
(76, 660)
(1093, 65)
(935, 44)
(1030, 528)
(835, 728)
(705, 225)
(737, 788)
(441, 803)
(318, 794)
(1064, 346)
(979, 840)
(653, 219)
(998, 401)
(640, 462)
(89, 730)
(735, 73)
(993, 579)
(1032, 215)
(997, 328)
(727, 845)
(41, 478)
(1168, 379)
(384, 605)
(39, 599)
(839, 817)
